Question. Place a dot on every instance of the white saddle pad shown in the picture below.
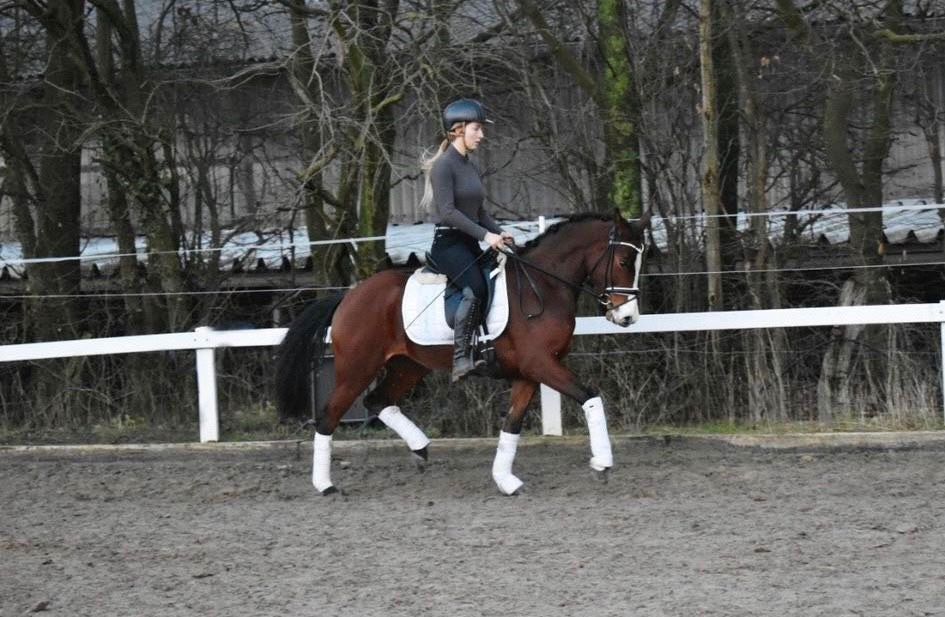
(424, 313)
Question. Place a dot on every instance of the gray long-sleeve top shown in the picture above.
(458, 195)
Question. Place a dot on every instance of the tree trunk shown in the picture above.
(765, 378)
(621, 112)
(361, 203)
(119, 211)
(133, 158)
(866, 229)
(307, 86)
(58, 196)
(615, 98)
(710, 178)
(934, 140)
(833, 387)
(375, 193)
(724, 52)
(120, 217)
(56, 199)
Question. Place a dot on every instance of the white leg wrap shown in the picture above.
(502, 466)
(601, 456)
(403, 426)
(321, 462)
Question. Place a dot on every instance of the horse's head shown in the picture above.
(618, 269)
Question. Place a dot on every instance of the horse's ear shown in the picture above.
(618, 218)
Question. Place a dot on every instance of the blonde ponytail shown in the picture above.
(426, 164)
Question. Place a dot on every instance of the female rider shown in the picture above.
(454, 196)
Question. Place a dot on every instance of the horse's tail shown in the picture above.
(303, 346)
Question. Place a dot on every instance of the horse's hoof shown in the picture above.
(602, 476)
(509, 485)
(331, 490)
(422, 455)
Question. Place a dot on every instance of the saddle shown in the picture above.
(454, 295)
(430, 303)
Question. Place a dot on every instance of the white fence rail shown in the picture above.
(205, 340)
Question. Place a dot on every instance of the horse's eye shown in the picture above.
(625, 264)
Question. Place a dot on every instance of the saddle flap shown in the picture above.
(426, 303)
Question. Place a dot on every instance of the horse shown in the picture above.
(585, 253)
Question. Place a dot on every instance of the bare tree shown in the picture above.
(610, 84)
(45, 183)
(861, 79)
(349, 80)
(767, 398)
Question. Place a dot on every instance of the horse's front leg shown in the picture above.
(522, 393)
(555, 375)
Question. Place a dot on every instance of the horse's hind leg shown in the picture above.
(522, 393)
(350, 381)
(401, 377)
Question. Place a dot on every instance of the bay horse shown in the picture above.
(585, 253)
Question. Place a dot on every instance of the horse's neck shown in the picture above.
(565, 256)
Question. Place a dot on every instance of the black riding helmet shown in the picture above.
(464, 110)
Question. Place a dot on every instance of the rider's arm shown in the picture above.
(486, 220)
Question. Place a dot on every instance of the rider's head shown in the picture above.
(463, 121)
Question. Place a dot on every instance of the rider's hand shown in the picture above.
(495, 240)
(508, 238)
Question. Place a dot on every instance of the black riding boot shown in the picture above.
(466, 323)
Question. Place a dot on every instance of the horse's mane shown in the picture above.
(554, 229)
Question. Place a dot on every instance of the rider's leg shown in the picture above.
(457, 257)
(468, 317)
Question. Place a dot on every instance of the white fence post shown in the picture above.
(207, 388)
(550, 411)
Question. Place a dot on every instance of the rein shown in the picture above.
(520, 269)
(602, 298)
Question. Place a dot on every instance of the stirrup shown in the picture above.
(469, 363)
(466, 366)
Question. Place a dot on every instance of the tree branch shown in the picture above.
(583, 78)
(908, 39)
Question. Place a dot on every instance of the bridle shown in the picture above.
(603, 297)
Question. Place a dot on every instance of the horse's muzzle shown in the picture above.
(626, 314)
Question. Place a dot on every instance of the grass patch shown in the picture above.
(111, 433)
(846, 425)
(261, 423)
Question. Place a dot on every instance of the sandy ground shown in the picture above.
(688, 527)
